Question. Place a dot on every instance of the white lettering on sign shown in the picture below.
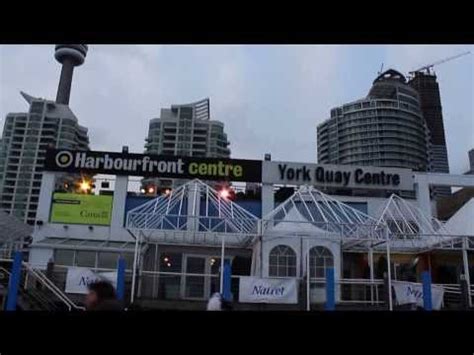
(128, 164)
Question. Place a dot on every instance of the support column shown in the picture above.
(389, 273)
(371, 270)
(423, 195)
(121, 279)
(221, 281)
(330, 290)
(194, 197)
(227, 292)
(268, 199)
(427, 298)
(135, 267)
(14, 282)
(45, 198)
(120, 198)
(467, 277)
(308, 280)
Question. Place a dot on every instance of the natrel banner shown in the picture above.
(267, 290)
(78, 278)
(95, 162)
(411, 292)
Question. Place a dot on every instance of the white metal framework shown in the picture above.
(412, 230)
(194, 213)
(310, 212)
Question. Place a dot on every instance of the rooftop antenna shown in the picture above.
(381, 69)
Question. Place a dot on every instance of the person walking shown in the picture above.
(102, 297)
(215, 302)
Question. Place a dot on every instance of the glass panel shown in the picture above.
(107, 260)
(85, 258)
(195, 284)
(195, 265)
(169, 287)
(64, 257)
(171, 262)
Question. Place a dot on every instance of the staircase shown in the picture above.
(36, 292)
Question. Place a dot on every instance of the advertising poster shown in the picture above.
(81, 209)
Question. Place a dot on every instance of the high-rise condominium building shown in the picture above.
(471, 161)
(26, 136)
(430, 101)
(386, 128)
(186, 130)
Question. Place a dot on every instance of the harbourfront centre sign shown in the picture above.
(267, 172)
(154, 165)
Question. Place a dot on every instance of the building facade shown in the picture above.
(430, 101)
(26, 136)
(384, 129)
(471, 161)
(180, 242)
(186, 130)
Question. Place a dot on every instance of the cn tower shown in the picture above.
(70, 56)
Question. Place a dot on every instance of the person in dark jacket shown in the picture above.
(102, 297)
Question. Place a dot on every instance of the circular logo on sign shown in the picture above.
(63, 159)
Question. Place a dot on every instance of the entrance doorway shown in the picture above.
(201, 278)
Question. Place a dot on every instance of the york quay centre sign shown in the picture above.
(339, 176)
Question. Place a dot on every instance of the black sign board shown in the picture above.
(75, 161)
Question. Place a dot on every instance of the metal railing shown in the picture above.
(48, 284)
(359, 293)
(364, 292)
(37, 294)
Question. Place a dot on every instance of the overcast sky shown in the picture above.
(270, 97)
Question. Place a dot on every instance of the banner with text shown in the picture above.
(78, 278)
(268, 290)
(411, 292)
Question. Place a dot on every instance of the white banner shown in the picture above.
(267, 290)
(79, 277)
(410, 292)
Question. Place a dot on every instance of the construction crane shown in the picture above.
(428, 67)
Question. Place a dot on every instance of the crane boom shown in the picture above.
(440, 62)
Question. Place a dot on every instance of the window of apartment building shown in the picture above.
(186, 113)
(19, 213)
(29, 153)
